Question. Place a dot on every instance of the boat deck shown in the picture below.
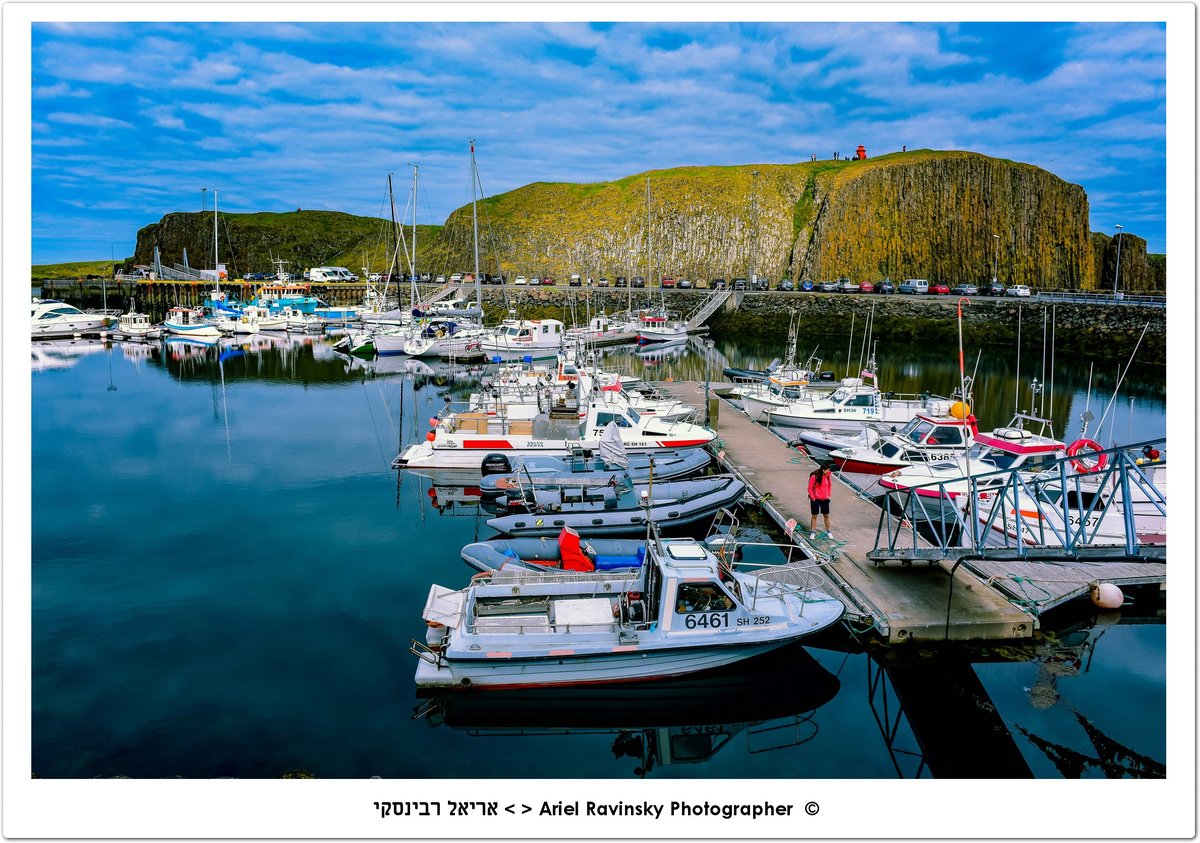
(917, 602)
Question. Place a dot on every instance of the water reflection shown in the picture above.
(768, 702)
(47, 355)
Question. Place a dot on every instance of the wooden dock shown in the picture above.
(918, 603)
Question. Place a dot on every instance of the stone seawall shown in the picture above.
(1100, 331)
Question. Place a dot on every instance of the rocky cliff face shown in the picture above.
(916, 214)
(248, 242)
(945, 216)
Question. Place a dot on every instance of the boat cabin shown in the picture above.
(184, 316)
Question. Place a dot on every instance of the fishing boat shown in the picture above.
(684, 610)
(660, 326)
(1085, 505)
(616, 507)
(136, 326)
(461, 440)
(53, 318)
(515, 339)
(500, 476)
(1026, 444)
(296, 319)
(190, 322)
(853, 405)
(925, 439)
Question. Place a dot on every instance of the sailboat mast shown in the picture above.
(475, 223)
(393, 262)
(216, 263)
(413, 262)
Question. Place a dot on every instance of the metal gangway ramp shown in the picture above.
(710, 306)
(1042, 538)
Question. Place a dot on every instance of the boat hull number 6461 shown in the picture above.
(716, 620)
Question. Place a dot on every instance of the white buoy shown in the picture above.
(1105, 595)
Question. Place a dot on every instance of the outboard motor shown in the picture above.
(826, 376)
(495, 464)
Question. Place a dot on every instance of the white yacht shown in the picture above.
(52, 318)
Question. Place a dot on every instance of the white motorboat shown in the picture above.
(1081, 508)
(190, 322)
(462, 440)
(296, 319)
(852, 406)
(52, 318)
(925, 439)
(660, 326)
(681, 611)
(516, 339)
(937, 486)
(136, 326)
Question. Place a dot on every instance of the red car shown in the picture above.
(667, 283)
(866, 287)
(550, 282)
(939, 290)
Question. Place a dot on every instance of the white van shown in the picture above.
(331, 274)
(914, 286)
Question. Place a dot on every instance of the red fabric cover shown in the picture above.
(572, 555)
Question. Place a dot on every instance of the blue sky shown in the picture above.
(130, 121)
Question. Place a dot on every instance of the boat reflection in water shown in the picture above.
(768, 701)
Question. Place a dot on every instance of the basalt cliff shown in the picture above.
(945, 216)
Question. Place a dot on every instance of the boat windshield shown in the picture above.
(916, 429)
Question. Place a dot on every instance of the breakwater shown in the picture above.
(1103, 332)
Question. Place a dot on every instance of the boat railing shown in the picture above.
(795, 578)
(951, 507)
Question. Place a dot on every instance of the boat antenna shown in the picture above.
(1086, 416)
(475, 224)
(1053, 325)
(1017, 380)
(1045, 325)
(851, 344)
(966, 411)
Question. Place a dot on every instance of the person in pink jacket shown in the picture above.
(820, 488)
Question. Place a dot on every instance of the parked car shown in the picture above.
(638, 281)
(866, 287)
(939, 290)
(995, 288)
(805, 286)
(521, 281)
(667, 283)
(914, 286)
(786, 285)
(603, 282)
(719, 284)
(965, 290)
(441, 279)
(456, 277)
(574, 281)
(621, 282)
(845, 285)
(685, 284)
(826, 287)
(548, 282)
(498, 279)
(1018, 290)
(884, 287)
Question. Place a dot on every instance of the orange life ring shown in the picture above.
(1082, 464)
(506, 483)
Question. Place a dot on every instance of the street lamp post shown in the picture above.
(1117, 272)
(708, 346)
(996, 260)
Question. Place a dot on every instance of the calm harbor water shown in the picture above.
(226, 576)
